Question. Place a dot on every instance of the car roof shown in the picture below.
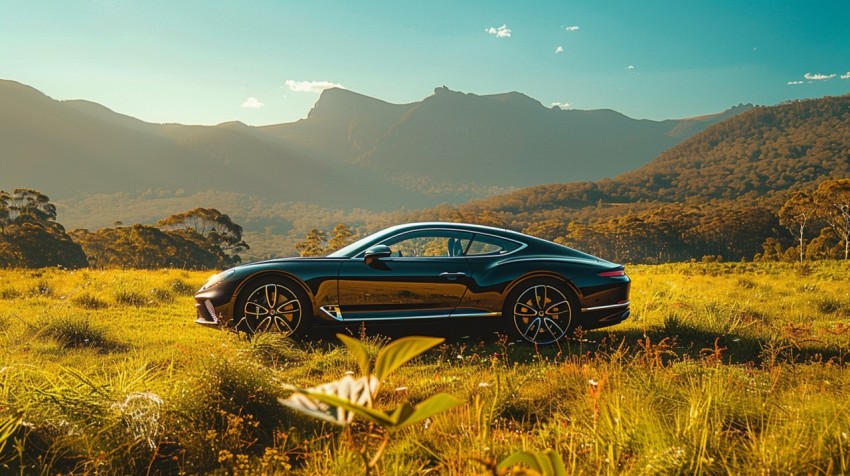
(457, 226)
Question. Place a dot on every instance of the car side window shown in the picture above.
(490, 245)
(429, 243)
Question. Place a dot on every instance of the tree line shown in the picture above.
(30, 237)
(809, 224)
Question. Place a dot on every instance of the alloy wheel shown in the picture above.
(542, 314)
(272, 307)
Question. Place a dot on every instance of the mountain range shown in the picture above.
(757, 156)
(352, 151)
(473, 144)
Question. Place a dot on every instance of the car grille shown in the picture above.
(211, 310)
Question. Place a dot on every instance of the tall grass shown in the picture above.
(734, 368)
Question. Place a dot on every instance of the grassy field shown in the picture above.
(734, 368)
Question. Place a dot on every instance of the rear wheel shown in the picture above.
(539, 311)
(273, 304)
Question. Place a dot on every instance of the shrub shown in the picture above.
(162, 296)
(41, 289)
(74, 332)
(182, 288)
(829, 305)
(130, 297)
(10, 293)
(88, 301)
(275, 348)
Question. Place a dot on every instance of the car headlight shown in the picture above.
(217, 278)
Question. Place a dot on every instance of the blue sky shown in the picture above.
(265, 62)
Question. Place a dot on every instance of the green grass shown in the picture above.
(734, 368)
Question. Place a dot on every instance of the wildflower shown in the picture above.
(593, 383)
(358, 391)
(483, 385)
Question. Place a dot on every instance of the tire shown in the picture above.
(273, 304)
(539, 311)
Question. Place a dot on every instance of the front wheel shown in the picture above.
(539, 311)
(273, 304)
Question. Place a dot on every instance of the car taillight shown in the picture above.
(617, 273)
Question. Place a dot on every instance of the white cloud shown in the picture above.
(559, 49)
(846, 75)
(571, 28)
(501, 32)
(252, 103)
(818, 77)
(561, 105)
(795, 82)
(311, 86)
(630, 67)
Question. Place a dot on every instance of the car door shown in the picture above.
(426, 276)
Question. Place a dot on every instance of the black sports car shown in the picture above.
(539, 289)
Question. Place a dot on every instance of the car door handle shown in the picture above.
(452, 276)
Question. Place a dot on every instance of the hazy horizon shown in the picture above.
(265, 63)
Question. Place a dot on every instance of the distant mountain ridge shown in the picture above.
(352, 151)
(501, 140)
(74, 148)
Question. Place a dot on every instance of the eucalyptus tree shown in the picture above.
(832, 199)
(216, 228)
(796, 215)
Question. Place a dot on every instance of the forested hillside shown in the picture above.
(760, 154)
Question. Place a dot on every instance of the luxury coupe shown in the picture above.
(539, 290)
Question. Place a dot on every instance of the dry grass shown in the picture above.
(725, 368)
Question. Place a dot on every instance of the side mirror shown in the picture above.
(377, 252)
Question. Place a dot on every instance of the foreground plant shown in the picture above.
(541, 463)
(7, 430)
(339, 401)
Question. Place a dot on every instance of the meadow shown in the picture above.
(724, 368)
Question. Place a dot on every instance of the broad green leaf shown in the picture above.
(7, 428)
(556, 463)
(402, 412)
(399, 352)
(359, 352)
(524, 458)
(429, 407)
(547, 463)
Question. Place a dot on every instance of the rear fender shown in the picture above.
(543, 274)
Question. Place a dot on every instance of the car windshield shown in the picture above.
(352, 249)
